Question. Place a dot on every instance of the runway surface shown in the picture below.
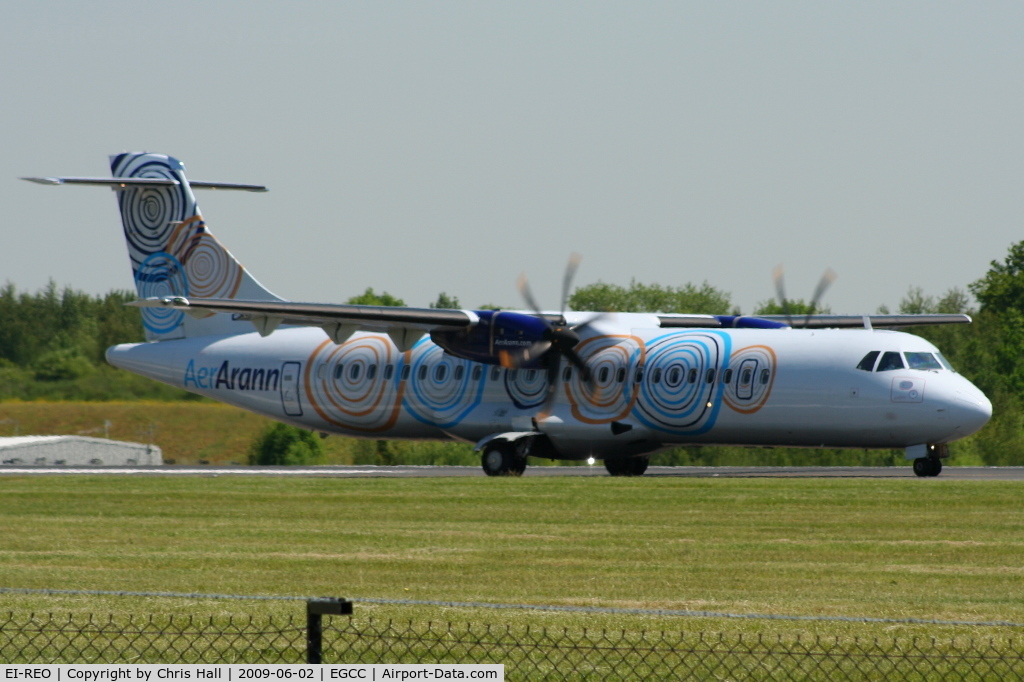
(948, 473)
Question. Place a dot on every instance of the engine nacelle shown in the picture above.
(498, 332)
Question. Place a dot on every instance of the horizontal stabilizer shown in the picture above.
(124, 183)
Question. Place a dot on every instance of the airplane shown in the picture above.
(566, 385)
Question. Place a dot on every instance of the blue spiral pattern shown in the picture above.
(151, 217)
(441, 397)
(161, 275)
(526, 388)
(675, 395)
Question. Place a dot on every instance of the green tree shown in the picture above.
(954, 301)
(447, 302)
(650, 298)
(797, 307)
(368, 297)
(282, 444)
(1002, 287)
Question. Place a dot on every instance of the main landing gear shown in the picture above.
(502, 458)
(627, 466)
(928, 466)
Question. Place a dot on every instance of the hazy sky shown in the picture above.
(438, 146)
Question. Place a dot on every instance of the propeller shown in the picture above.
(560, 340)
(827, 278)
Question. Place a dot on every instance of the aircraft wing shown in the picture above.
(404, 325)
(882, 321)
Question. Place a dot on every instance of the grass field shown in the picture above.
(951, 550)
(204, 432)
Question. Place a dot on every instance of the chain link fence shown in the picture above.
(527, 653)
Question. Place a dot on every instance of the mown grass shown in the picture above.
(205, 432)
(933, 549)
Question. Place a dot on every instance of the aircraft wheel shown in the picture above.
(629, 466)
(500, 459)
(928, 466)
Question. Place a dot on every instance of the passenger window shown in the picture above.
(531, 374)
(692, 378)
(478, 372)
(765, 375)
(353, 373)
(371, 372)
(674, 376)
(460, 372)
(639, 374)
(389, 371)
(727, 377)
(495, 373)
(602, 376)
(339, 371)
(620, 375)
(746, 376)
(868, 363)
(656, 377)
(405, 372)
(890, 360)
(922, 361)
(441, 373)
(422, 373)
(710, 377)
(567, 374)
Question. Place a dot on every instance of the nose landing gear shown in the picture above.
(928, 466)
(932, 464)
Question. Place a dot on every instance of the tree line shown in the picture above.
(52, 346)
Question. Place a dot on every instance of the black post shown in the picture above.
(315, 609)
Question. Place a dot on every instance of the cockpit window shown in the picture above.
(945, 362)
(868, 363)
(890, 360)
(922, 361)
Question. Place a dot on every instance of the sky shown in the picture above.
(450, 146)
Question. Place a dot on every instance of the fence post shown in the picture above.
(315, 609)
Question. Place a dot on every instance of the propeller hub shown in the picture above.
(562, 338)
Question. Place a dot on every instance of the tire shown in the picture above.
(628, 466)
(500, 459)
(928, 466)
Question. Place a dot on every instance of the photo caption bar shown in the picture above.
(231, 672)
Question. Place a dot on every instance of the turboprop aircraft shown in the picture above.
(517, 383)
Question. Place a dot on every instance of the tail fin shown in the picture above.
(172, 252)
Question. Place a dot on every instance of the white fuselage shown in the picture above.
(650, 388)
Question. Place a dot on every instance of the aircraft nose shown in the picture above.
(970, 410)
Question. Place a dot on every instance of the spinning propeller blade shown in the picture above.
(827, 278)
(559, 341)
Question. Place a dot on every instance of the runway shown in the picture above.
(948, 473)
